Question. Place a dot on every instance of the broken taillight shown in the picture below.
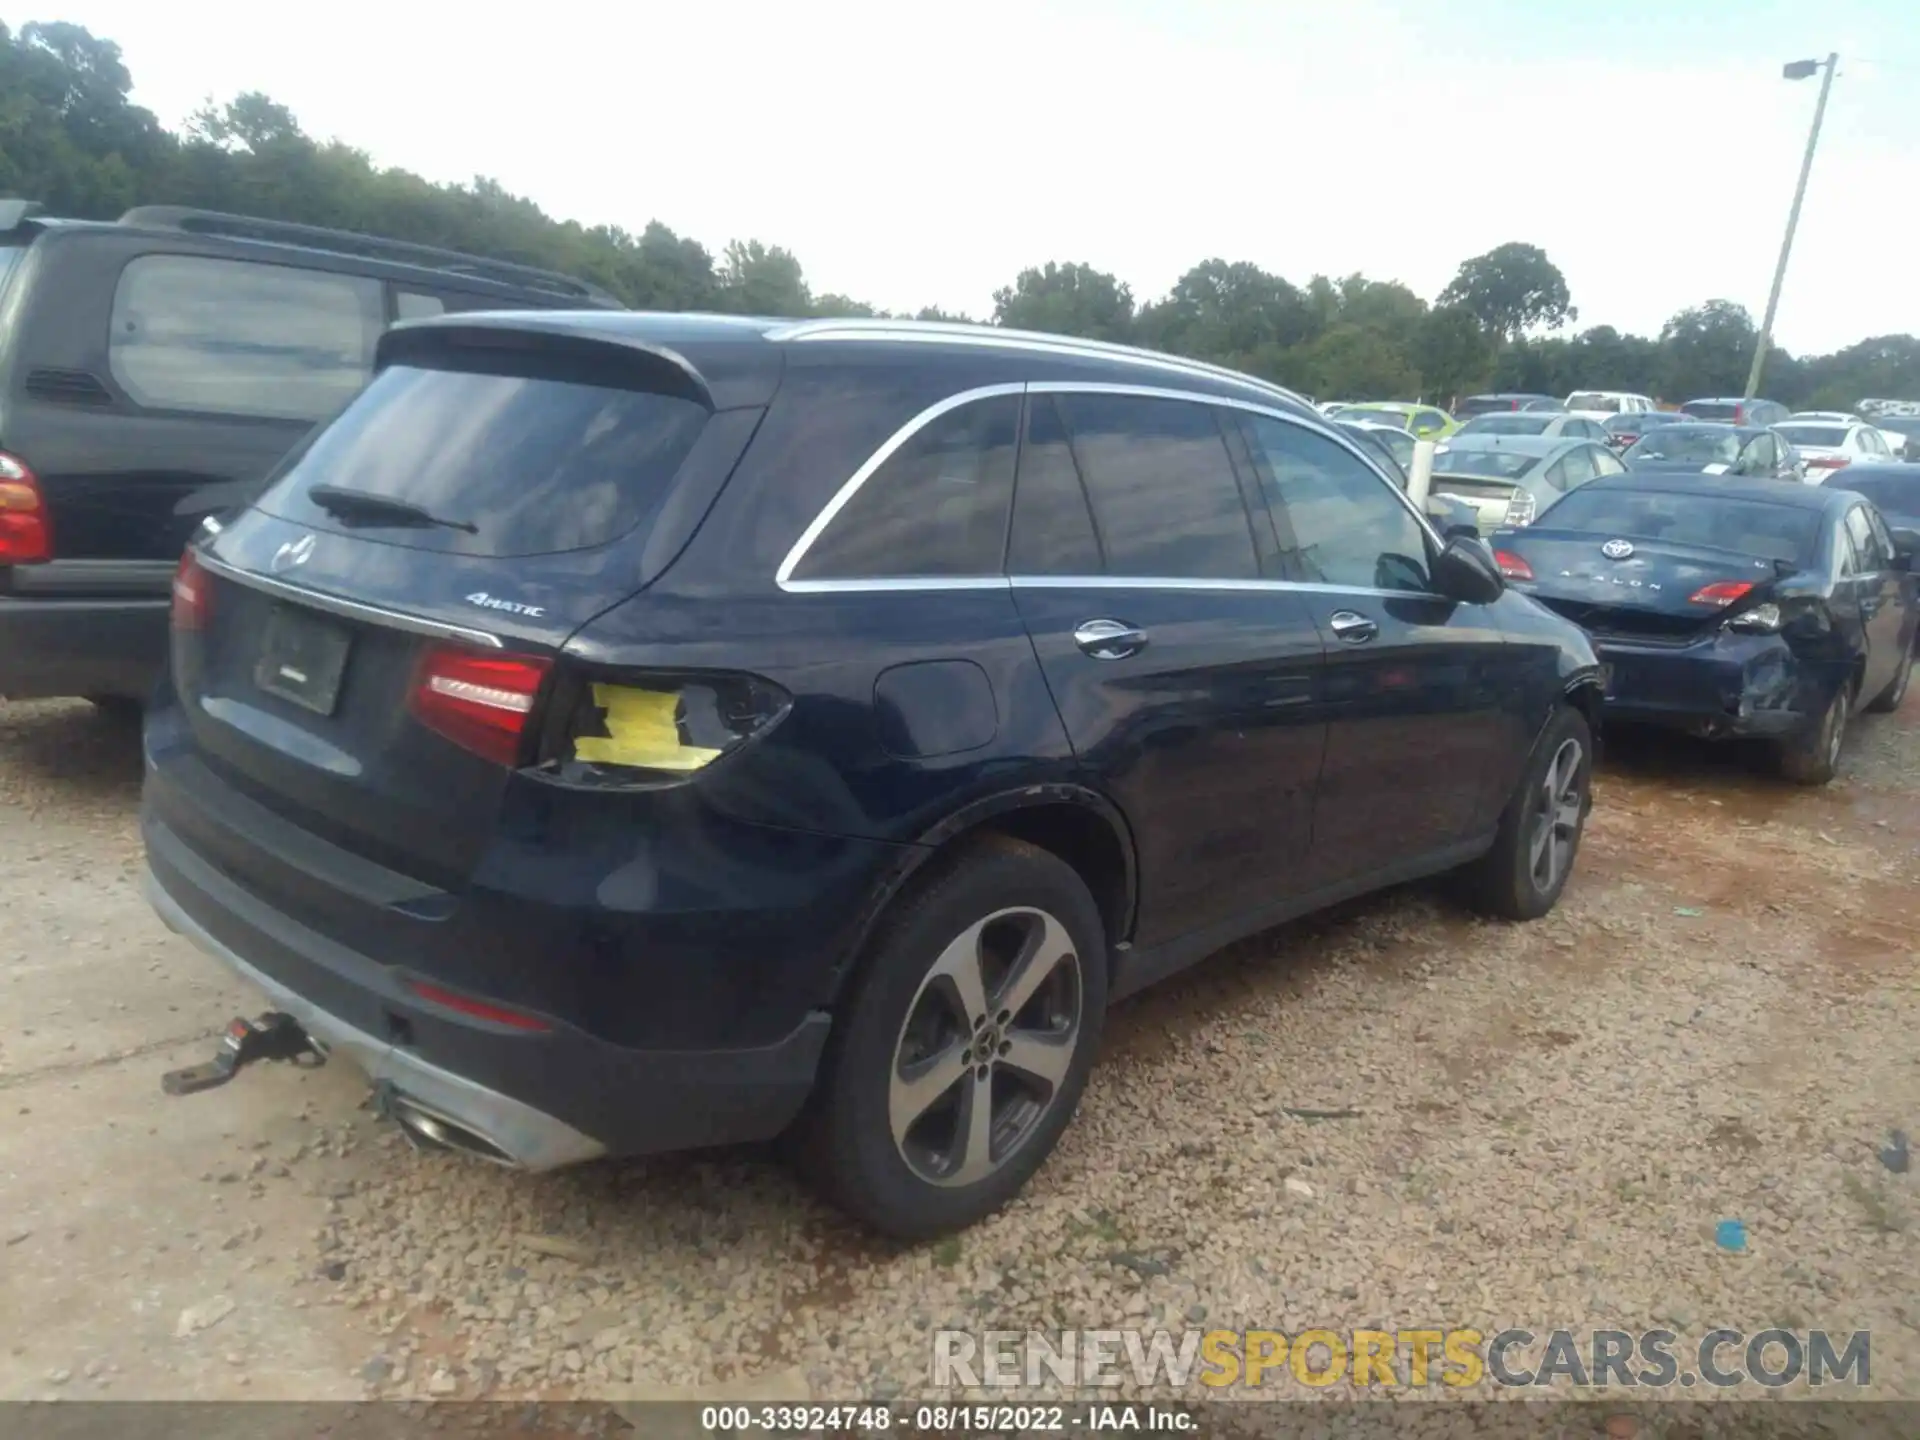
(480, 701)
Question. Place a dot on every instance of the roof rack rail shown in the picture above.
(14, 212)
(369, 247)
(831, 328)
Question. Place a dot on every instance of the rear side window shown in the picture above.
(414, 305)
(531, 465)
(1338, 524)
(1163, 489)
(936, 506)
(232, 337)
(1053, 530)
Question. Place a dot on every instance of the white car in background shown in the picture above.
(1896, 439)
(1603, 405)
(1826, 441)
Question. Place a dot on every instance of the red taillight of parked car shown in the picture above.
(26, 536)
(192, 594)
(1721, 592)
(1826, 462)
(480, 701)
(1512, 566)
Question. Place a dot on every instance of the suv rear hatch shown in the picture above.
(408, 581)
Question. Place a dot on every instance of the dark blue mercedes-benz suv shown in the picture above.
(620, 733)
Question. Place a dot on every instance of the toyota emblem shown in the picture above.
(1613, 549)
(292, 554)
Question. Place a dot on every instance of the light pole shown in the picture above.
(1794, 70)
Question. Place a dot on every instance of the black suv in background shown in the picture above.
(621, 733)
(152, 371)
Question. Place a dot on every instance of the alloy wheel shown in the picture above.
(1557, 813)
(986, 1046)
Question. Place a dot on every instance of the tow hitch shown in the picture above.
(273, 1036)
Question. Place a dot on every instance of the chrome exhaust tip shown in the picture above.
(447, 1134)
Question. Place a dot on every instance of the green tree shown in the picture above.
(757, 279)
(1229, 312)
(1451, 352)
(1706, 350)
(1512, 288)
(1071, 299)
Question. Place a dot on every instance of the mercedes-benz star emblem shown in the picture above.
(1613, 549)
(293, 553)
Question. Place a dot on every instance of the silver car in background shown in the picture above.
(1509, 480)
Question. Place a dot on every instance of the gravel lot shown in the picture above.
(1546, 1123)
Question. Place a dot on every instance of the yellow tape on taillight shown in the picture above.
(641, 731)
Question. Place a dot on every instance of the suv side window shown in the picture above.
(236, 337)
(935, 506)
(1164, 494)
(1053, 530)
(1338, 522)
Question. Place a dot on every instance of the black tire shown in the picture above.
(1508, 881)
(1813, 756)
(1888, 700)
(845, 1144)
(118, 709)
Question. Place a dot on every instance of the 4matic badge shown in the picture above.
(512, 607)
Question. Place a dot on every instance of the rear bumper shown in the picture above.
(542, 1099)
(53, 647)
(1723, 686)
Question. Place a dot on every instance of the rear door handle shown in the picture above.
(1352, 627)
(1110, 639)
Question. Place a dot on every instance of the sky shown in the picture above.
(913, 154)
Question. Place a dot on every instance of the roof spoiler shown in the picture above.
(523, 343)
(15, 213)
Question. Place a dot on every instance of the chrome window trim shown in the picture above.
(783, 576)
(349, 609)
(1169, 582)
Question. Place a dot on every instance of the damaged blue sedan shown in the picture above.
(1730, 607)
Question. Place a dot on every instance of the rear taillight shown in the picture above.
(480, 701)
(1512, 566)
(26, 537)
(1721, 593)
(1739, 414)
(648, 730)
(1826, 462)
(192, 594)
(1520, 508)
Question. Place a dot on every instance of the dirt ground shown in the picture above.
(1534, 1125)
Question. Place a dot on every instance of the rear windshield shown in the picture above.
(512, 465)
(1481, 405)
(1593, 400)
(1816, 435)
(1638, 422)
(1746, 527)
(1896, 493)
(1524, 423)
(1493, 464)
(1711, 409)
(1395, 418)
(1687, 445)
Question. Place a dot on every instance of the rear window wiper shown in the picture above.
(350, 505)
